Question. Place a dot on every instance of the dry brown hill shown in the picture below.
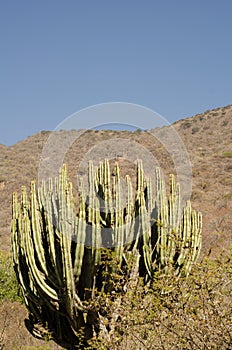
(207, 138)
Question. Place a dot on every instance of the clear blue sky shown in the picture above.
(58, 57)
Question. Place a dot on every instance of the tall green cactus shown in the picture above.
(60, 248)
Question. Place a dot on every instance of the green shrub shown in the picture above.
(227, 154)
(9, 289)
(190, 314)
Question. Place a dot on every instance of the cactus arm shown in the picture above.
(52, 234)
(66, 229)
(37, 229)
(146, 235)
(39, 279)
(107, 191)
(119, 223)
(80, 232)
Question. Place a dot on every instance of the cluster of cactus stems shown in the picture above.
(60, 243)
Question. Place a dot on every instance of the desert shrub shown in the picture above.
(227, 154)
(177, 313)
(195, 130)
(9, 289)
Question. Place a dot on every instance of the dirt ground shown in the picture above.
(13, 332)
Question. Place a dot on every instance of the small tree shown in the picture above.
(177, 313)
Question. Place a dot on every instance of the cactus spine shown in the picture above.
(59, 251)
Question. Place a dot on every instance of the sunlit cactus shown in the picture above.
(67, 254)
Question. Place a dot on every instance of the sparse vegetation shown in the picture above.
(227, 154)
(190, 314)
(9, 288)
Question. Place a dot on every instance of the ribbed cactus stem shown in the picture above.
(140, 177)
(37, 228)
(119, 222)
(129, 213)
(146, 234)
(91, 197)
(79, 238)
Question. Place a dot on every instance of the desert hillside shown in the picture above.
(208, 141)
